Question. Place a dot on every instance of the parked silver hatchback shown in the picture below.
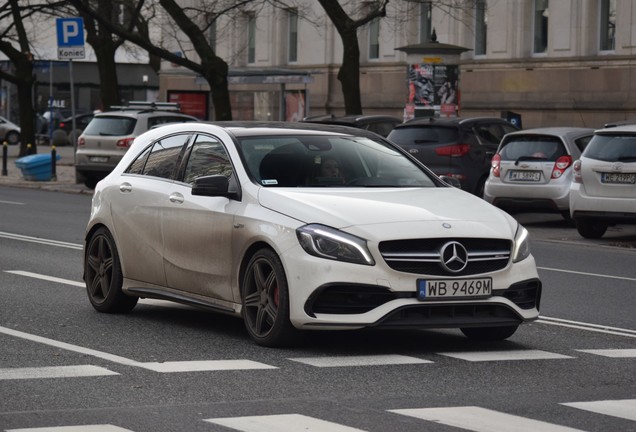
(603, 192)
(532, 169)
(109, 135)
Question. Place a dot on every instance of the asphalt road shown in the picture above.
(169, 368)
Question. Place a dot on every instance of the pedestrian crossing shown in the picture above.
(71, 371)
(459, 418)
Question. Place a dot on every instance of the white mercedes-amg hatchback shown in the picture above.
(297, 226)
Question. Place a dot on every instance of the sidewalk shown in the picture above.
(64, 169)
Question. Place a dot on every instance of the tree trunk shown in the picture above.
(109, 84)
(349, 73)
(24, 70)
(216, 76)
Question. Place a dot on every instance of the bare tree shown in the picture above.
(14, 43)
(347, 27)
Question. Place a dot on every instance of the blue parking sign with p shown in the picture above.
(70, 32)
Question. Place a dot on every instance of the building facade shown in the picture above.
(554, 62)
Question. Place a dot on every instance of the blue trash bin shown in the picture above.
(36, 167)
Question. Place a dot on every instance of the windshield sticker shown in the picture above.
(269, 182)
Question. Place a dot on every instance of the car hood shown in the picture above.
(396, 212)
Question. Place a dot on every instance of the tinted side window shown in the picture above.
(110, 126)
(582, 142)
(207, 157)
(137, 167)
(164, 156)
(489, 133)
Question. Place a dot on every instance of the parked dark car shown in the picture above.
(380, 124)
(81, 121)
(459, 148)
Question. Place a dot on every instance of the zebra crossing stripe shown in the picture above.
(281, 423)
(205, 365)
(54, 372)
(613, 353)
(370, 360)
(81, 428)
(480, 356)
(478, 419)
(625, 409)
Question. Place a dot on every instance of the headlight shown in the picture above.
(325, 242)
(522, 245)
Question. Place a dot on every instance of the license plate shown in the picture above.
(98, 159)
(618, 178)
(453, 288)
(529, 176)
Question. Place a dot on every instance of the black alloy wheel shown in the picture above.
(265, 298)
(103, 275)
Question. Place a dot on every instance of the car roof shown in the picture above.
(555, 131)
(617, 129)
(255, 128)
(449, 121)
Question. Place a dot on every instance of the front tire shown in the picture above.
(103, 275)
(13, 138)
(265, 299)
(489, 333)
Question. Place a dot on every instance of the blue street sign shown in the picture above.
(70, 32)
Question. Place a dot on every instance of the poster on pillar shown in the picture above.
(433, 90)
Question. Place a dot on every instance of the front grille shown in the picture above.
(349, 299)
(423, 256)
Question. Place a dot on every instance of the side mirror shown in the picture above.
(451, 181)
(213, 186)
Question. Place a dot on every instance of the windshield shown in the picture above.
(110, 126)
(329, 161)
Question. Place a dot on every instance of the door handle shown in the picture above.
(176, 197)
(125, 187)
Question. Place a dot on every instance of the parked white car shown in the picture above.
(242, 218)
(9, 132)
(603, 192)
(532, 169)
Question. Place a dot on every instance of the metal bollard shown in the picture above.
(4, 158)
(53, 164)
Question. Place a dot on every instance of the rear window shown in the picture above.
(612, 148)
(536, 147)
(110, 126)
(424, 135)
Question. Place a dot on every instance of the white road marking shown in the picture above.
(54, 372)
(482, 420)
(587, 326)
(370, 360)
(186, 366)
(81, 428)
(479, 356)
(281, 423)
(47, 278)
(41, 241)
(205, 365)
(12, 202)
(625, 409)
(612, 353)
(587, 274)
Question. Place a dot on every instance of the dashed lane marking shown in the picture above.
(478, 419)
(481, 356)
(54, 372)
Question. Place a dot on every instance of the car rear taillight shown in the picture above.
(61, 125)
(578, 178)
(124, 142)
(495, 163)
(560, 166)
(80, 141)
(455, 150)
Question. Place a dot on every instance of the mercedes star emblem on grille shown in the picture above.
(453, 257)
